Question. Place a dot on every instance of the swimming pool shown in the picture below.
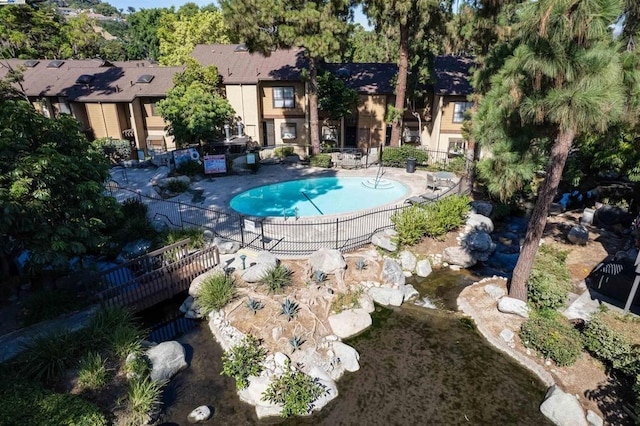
(317, 196)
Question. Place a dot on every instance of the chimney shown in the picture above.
(228, 72)
(131, 82)
(227, 132)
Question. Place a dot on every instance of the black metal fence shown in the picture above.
(280, 235)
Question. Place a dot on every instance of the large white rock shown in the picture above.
(267, 258)
(562, 409)
(349, 323)
(593, 419)
(348, 356)
(458, 256)
(200, 414)
(252, 394)
(478, 241)
(410, 292)
(167, 359)
(328, 261)
(226, 246)
(392, 272)
(256, 273)
(387, 296)
(423, 268)
(494, 291)
(407, 260)
(366, 303)
(385, 239)
(479, 222)
(509, 305)
(578, 234)
(330, 388)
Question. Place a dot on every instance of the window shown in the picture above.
(457, 146)
(288, 130)
(283, 97)
(458, 111)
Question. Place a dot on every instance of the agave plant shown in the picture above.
(290, 308)
(319, 276)
(361, 265)
(296, 342)
(254, 305)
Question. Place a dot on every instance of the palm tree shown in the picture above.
(564, 78)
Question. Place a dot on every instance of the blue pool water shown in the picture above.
(317, 196)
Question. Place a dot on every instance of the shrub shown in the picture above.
(23, 402)
(189, 168)
(320, 160)
(114, 328)
(47, 356)
(93, 373)
(610, 345)
(295, 391)
(143, 397)
(177, 186)
(277, 278)
(115, 149)
(283, 151)
(134, 223)
(44, 305)
(216, 291)
(457, 165)
(348, 300)
(195, 235)
(553, 337)
(446, 215)
(397, 156)
(411, 224)
(243, 360)
(550, 281)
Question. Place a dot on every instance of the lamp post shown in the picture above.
(243, 257)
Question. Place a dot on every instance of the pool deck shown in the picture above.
(217, 192)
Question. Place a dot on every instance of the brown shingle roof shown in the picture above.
(452, 74)
(366, 78)
(238, 66)
(114, 83)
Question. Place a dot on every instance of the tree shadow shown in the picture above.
(614, 398)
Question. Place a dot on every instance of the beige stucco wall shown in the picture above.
(371, 125)
(103, 119)
(266, 94)
(244, 100)
(448, 126)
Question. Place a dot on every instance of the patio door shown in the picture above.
(269, 133)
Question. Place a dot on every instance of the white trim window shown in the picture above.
(288, 131)
(459, 108)
(457, 146)
(284, 97)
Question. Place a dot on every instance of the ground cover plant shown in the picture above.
(549, 284)
(348, 300)
(244, 360)
(550, 333)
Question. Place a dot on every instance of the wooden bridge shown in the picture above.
(157, 276)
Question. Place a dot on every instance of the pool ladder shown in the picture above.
(378, 176)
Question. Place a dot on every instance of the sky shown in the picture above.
(149, 4)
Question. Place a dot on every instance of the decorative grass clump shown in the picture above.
(552, 336)
(195, 236)
(295, 391)
(277, 279)
(143, 397)
(244, 360)
(93, 373)
(216, 291)
(116, 330)
(550, 281)
(177, 186)
(47, 356)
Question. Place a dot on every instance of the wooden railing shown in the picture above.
(150, 279)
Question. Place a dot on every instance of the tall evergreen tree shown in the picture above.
(565, 77)
(319, 26)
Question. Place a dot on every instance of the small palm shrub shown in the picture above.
(116, 329)
(552, 336)
(348, 300)
(243, 360)
(277, 278)
(295, 391)
(549, 283)
(216, 291)
(320, 160)
(143, 397)
(613, 347)
(93, 373)
(289, 309)
(125, 339)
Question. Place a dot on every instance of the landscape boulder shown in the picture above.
(482, 207)
(200, 414)
(562, 409)
(459, 256)
(423, 268)
(385, 239)
(510, 305)
(578, 234)
(479, 222)
(265, 261)
(407, 260)
(479, 241)
(495, 292)
(387, 296)
(226, 246)
(392, 272)
(349, 323)
(167, 359)
(329, 261)
(348, 356)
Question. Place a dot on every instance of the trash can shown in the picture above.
(411, 165)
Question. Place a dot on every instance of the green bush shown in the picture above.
(283, 151)
(115, 149)
(611, 346)
(43, 305)
(216, 291)
(447, 214)
(295, 391)
(190, 168)
(411, 224)
(143, 397)
(277, 278)
(550, 281)
(26, 403)
(320, 160)
(552, 336)
(457, 165)
(397, 156)
(243, 360)
(177, 186)
(195, 235)
(93, 373)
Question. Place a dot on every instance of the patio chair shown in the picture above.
(432, 182)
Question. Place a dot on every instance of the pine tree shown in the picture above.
(319, 26)
(565, 77)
